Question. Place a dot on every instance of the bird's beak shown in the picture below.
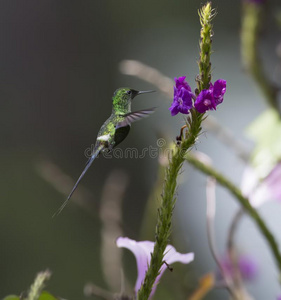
(135, 93)
(143, 92)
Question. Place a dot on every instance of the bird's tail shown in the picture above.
(90, 161)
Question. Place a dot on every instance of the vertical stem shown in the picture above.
(165, 212)
(251, 22)
(230, 237)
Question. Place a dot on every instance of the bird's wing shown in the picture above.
(135, 116)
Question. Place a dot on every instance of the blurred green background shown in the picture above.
(59, 66)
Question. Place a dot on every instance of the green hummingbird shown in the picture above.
(115, 129)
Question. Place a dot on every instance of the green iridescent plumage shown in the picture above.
(115, 129)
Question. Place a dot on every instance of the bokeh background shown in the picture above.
(59, 66)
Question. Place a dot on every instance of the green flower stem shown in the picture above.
(38, 285)
(206, 15)
(165, 212)
(251, 22)
(244, 202)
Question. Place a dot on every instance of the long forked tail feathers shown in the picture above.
(90, 161)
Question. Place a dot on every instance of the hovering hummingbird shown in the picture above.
(115, 129)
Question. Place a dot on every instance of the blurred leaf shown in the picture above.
(46, 296)
(266, 132)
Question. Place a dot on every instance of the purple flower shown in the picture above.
(142, 251)
(205, 101)
(258, 191)
(246, 265)
(181, 83)
(219, 90)
(209, 99)
(182, 97)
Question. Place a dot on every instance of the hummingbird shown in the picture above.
(115, 129)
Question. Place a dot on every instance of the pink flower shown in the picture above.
(247, 266)
(259, 191)
(142, 251)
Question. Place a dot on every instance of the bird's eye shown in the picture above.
(129, 92)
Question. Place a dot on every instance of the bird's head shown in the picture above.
(122, 97)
